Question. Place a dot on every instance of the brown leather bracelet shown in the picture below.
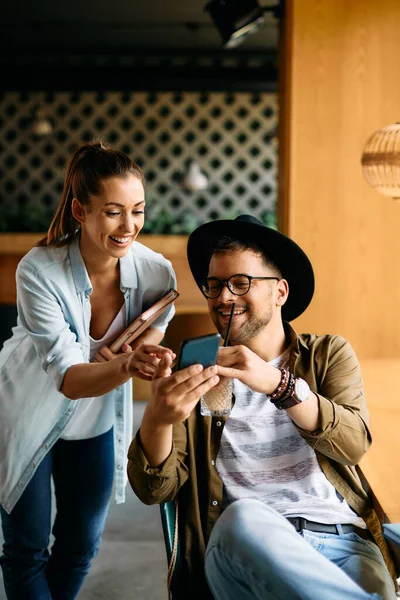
(286, 393)
(282, 386)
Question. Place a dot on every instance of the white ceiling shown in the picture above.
(116, 25)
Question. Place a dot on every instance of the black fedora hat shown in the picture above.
(291, 260)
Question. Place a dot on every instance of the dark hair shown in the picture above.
(229, 244)
(87, 167)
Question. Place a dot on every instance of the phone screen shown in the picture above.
(201, 350)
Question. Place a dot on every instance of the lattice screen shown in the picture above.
(231, 135)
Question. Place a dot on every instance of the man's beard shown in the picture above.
(245, 332)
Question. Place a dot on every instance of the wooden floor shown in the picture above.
(381, 464)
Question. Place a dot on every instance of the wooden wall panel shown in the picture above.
(13, 246)
(340, 83)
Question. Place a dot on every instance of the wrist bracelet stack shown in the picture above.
(290, 391)
(282, 386)
(284, 389)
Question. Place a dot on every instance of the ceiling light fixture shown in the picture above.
(380, 160)
(41, 125)
(194, 179)
(237, 19)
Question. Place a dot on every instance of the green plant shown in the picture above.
(36, 217)
(31, 217)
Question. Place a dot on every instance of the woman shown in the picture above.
(65, 399)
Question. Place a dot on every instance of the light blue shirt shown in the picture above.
(51, 335)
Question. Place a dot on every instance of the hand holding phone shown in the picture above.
(201, 350)
(173, 398)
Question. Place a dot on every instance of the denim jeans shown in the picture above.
(255, 553)
(82, 472)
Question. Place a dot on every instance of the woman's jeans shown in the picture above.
(254, 553)
(83, 473)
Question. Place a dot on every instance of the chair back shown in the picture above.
(391, 532)
(169, 522)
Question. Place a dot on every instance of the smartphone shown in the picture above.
(201, 350)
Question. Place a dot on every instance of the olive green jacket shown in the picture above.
(330, 367)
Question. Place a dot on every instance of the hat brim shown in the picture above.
(291, 260)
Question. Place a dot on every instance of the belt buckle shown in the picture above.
(302, 523)
(298, 523)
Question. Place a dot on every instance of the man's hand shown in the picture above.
(173, 396)
(241, 363)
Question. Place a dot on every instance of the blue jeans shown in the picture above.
(255, 553)
(83, 473)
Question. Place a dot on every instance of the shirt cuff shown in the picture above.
(326, 422)
(58, 365)
(137, 456)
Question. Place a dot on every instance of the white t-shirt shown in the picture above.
(262, 455)
(95, 416)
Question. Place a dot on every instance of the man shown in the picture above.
(270, 502)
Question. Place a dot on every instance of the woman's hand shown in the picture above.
(140, 362)
(105, 354)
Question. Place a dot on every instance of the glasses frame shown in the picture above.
(224, 282)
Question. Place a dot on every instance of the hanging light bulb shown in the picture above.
(194, 179)
(41, 126)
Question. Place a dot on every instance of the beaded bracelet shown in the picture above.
(282, 387)
(287, 393)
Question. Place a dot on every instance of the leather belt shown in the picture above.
(299, 523)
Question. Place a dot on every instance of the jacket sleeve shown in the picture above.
(154, 485)
(343, 433)
(41, 315)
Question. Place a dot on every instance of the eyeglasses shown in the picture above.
(237, 284)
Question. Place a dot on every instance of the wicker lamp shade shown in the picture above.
(381, 161)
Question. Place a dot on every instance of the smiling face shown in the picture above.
(113, 220)
(255, 310)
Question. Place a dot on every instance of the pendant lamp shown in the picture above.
(381, 161)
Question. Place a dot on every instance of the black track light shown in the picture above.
(236, 19)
